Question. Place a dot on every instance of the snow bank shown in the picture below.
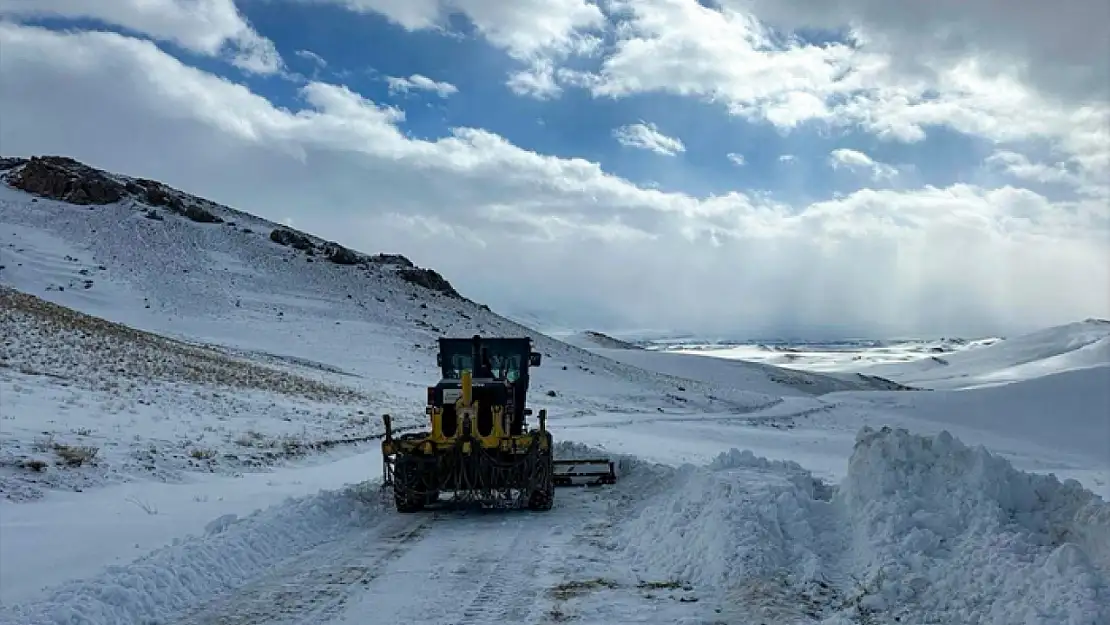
(922, 529)
(957, 534)
(232, 551)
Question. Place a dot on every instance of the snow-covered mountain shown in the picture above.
(254, 294)
(190, 395)
(1068, 347)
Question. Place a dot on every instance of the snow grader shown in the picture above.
(479, 446)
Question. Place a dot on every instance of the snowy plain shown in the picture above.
(232, 389)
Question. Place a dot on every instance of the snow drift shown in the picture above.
(922, 530)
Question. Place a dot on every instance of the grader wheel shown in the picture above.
(407, 495)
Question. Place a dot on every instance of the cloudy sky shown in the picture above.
(739, 167)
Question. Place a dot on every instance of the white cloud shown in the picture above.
(787, 158)
(524, 28)
(208, 27)
(312, 57)
(1019, 166)
(727, 56)
(537, 81)
(932, 260)
(1060, 49)
(420, 83)
(736, 159)
(646, 136)
(854, 160)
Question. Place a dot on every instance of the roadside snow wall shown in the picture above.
(922, 530)
(162, 585)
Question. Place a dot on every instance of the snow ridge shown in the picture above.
(231, 552)
(922, 530)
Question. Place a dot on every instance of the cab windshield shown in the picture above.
(504, 362)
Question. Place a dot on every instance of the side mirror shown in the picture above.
(534, 359)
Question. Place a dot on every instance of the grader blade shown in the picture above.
(588, 472)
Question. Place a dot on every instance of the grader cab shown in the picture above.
(479, 446)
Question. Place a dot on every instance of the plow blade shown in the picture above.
(584, 472)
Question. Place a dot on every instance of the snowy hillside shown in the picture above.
(1053, 350)
(190, 399)
(588, 339)
(829, 356)
(747, 375)
(239, 290)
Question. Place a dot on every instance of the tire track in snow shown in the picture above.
(316, 584)
(502, 599)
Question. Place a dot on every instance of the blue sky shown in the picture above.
(911, 158)
(362, 49)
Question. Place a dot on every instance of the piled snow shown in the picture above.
(922, 529)
(955, 533)
(70, 536)
(230, 552)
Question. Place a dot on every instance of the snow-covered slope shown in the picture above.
(154, 370)
(588, 339)
(1066, 410)
(831, 356)
(160, 261)
(747, 375)
(1053, 350)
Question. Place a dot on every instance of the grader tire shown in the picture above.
(406, 493)
(541, 500)
(542, 497)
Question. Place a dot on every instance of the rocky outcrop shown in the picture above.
(67, 180)
(64, 179)
(392, 259)
(429, 279)
(291, 238)
(340, 255)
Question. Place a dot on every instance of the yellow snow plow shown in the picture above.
(478, 445)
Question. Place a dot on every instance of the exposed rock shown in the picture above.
(61, 178)
(296, 240)
(8, 162)
(68, 180)
(156, 194)
(392, 259)
(604, 340)
(429, 279)
(340, 255)
(200, 215)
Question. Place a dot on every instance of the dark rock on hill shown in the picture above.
(67, 180)
(61, 178)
